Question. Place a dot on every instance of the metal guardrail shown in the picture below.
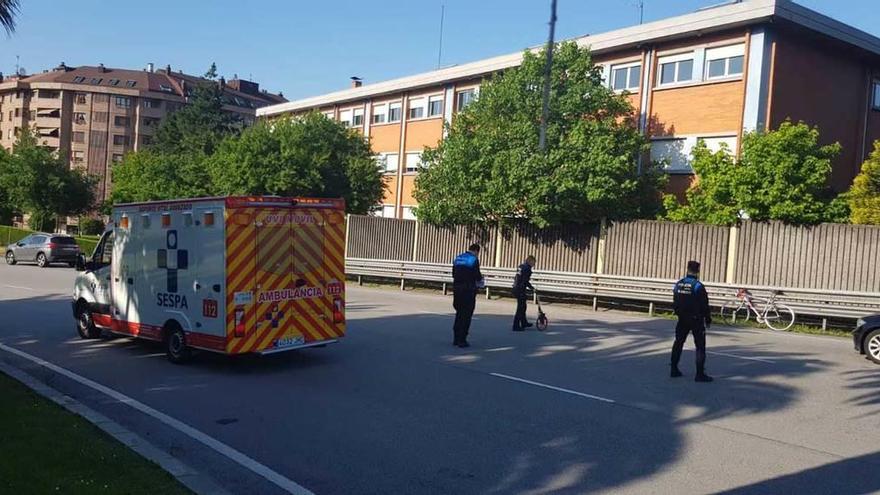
(809, 302)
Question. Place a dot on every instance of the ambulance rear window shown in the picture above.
(166, 220)
(187, 219)
(145, 221)
(208, 219)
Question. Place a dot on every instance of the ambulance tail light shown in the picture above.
(338, 311)
(239, 329)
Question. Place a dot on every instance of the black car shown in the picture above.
(866, 337)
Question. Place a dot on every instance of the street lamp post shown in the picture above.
(545, 110)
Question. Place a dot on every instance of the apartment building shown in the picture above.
(94, 115)
(710, 74)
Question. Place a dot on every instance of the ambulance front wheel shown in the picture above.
(175, 345)
(85, 327)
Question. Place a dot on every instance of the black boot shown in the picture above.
(702, 377)
(675, 373)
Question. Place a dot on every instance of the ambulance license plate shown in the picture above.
(289, 341)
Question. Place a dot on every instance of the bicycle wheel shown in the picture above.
(779, 317)
(734, 312)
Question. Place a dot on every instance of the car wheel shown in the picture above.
(85, 327)
(872, 346)
(175, 346)
(72, 264)
(10, 258)
(42, 261)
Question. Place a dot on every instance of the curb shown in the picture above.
(188, 477)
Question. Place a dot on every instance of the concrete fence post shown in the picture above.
(600, 248)
(347, 228)
(498, 240)
(730, 274)
(416, 240)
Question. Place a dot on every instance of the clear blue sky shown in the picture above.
(305, 48)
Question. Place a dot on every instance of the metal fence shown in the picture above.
(826, 257)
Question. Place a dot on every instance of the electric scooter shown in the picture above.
(542, 322)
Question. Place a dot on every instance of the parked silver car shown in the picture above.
(43, 249)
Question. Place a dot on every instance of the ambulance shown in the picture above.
(232, 275)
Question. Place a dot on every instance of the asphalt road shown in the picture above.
(586, 407)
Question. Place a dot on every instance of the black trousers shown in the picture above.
(697, 327)
(464, 301)
(519, 320)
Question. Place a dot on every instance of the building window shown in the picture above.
(357, 119)
(675, 152)
(81, 98)
(114, 82)
(726, 61)
(130, 83)
(150, 121)
(626, 77)
(150, 103)
(388, 162)
(32, 115)
(417, 108)
(78, 156)
(120, 121)
(345, 117)
(79, 79)
(18, 112)
(413, 160)
(120, 140)
(435, 106)
(380, 113)
(146, 140)
(165, 88)
(79, 137)
(123, 102)
(79, 118)
(117, 157)
(464, 98)
(676, 69)
(100, 98)
(394, 112)
(100, 117)
(876, 95)
(51, 95)
(96, 80)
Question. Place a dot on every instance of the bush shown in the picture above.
(91, 226)
(41, 221)
(864, 196)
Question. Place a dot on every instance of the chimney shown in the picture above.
(356, 82)
(102, 68)
(150, 67)
(168, 69)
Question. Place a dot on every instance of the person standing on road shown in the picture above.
(521, 284)
(466, 279)
(691, 305)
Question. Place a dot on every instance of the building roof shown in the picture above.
(160, 81)
(719, 18)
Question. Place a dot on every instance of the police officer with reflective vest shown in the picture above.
(691, 305)
(466, 280)
(521, 284)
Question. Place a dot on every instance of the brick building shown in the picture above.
(711, 74)
(94, 115)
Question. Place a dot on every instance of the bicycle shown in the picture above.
(775, 315)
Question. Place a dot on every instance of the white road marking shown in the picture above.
(19, 287)
(551, 387)
(737, 356)
(218, 446)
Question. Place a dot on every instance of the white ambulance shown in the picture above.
(231, 275)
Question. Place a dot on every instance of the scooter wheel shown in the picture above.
(542, 323)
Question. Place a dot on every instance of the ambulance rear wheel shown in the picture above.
(175, 345)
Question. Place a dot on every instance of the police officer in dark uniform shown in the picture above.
(466, 279)
(691, 304)
(521, 284)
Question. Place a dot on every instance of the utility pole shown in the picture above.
(440, 48)
(545, 110)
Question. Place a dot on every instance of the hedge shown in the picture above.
(9, 235)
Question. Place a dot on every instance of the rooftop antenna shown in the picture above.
(17, 66)
(440, 48)
(641, 12)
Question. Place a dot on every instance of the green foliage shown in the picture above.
(199, 127)
(149, 175)
(781, 175)
(91, 226)
(41, 221)
(212, 71)
(490, 168)
(311, 156)
(9, 9)
(35, 180)
(864, 195)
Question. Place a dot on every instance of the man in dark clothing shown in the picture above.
(521, 284)
(691, 304)
(466, 279)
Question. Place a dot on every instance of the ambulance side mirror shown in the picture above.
(80, 263)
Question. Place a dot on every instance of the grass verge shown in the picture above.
(46, 449)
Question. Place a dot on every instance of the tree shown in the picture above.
(39, 182)
(864, 195)
(212, 72)
(8, 11)
(308, 156)
(7, 209)
(781, 175)
(197, 128)
(490, 168)
(149, 175)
